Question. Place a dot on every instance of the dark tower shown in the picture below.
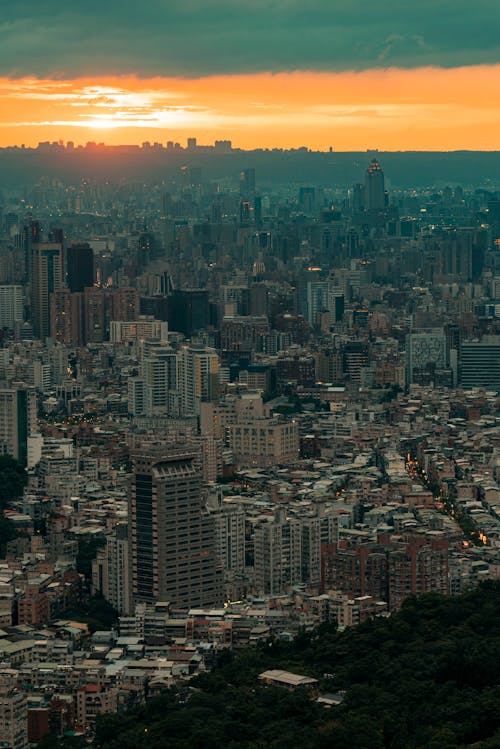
(374, 187)
(80, 267)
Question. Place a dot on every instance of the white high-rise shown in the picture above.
(198, 377)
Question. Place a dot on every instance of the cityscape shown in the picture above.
(235, 412)
(249, 376)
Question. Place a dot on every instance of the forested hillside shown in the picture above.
(425, 678)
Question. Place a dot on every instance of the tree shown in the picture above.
(13, 479)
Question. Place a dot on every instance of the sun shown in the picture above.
(103, 124)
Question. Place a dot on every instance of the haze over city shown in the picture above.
(249, 374)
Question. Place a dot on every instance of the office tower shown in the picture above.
(13, 717)
(188, 310)
(257, 209)
(374, 187)
(80, 266)
(198, 377)
(479, 363)
(357, 198)
(247, 184)
(244, 212)
(46, 278)
(425, 351)
(11, 306)
(17, 421)
(307, 199)
(111, 569)
(355, 356)
(172, 536)
(31, 235)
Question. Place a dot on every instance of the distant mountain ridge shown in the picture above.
(405, 169)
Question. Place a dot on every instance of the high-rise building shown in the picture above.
(425, 350)
(479, 363)
(46, 278)
(17, 421)
(159, 373)
(80, 266)
(110, 569)
(188, 310)
(230, 544)
(278, 555)
(198, 377)
(172, 536)
(11, 305)
(374, 187)
(247, 184)
(136, 396)
(66, 317)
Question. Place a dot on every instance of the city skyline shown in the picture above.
(329, 75)
(386, 109)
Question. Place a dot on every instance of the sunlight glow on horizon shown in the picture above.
(394, 109)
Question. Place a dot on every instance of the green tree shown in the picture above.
(13, 479)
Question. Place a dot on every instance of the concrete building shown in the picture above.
(172, 535)
(198, 378)
(127, 331)
(111, 569)
(17, 421)
(425, 350)
(264, 442)
(46, 278)
(11, 305)
(374, 187)
(13, 718)
(479, 363)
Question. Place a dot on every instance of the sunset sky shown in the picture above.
(351, 74)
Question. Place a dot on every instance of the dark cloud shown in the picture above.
(202, 37)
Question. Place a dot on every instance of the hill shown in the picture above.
(425, 678)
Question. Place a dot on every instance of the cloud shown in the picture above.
(195, 38)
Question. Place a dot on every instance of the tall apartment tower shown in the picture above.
(11, 305)
(374, 187)
(198, 377)
(17, 421)
(247, 184)
(278, 555)
(172, 536)
(46, 278)
(111, 568)
(80, 266)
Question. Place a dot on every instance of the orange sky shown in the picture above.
(419, 109)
